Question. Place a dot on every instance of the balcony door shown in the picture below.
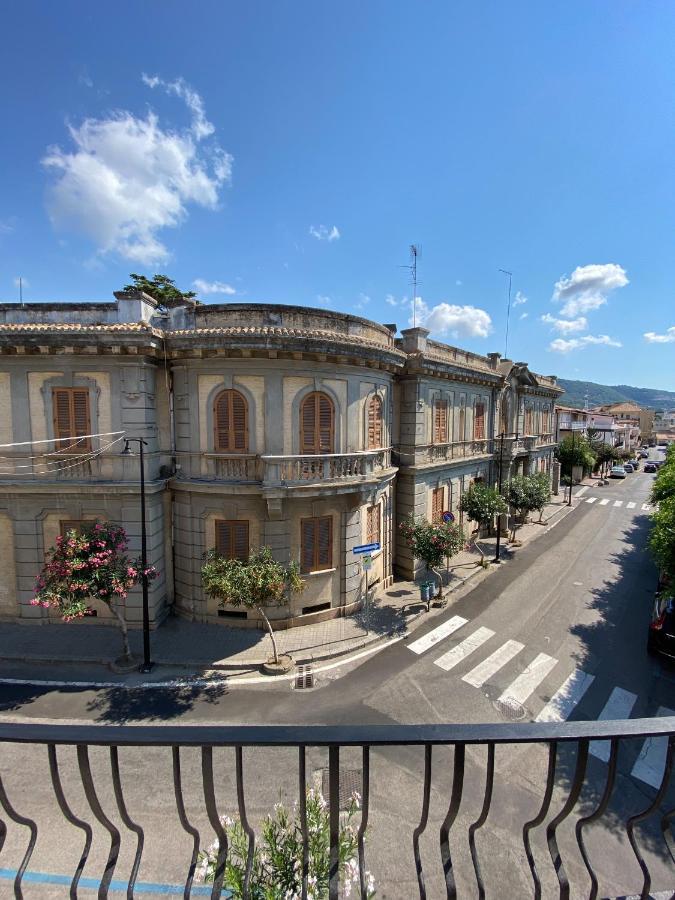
(317, 424)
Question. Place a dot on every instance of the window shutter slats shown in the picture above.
(62, 420)
(441, 422)
(316, 544)
(325, 535)
(479, 422)
(71, 419)
(223, 538)
(317, 419)
(437, 497)
(308, 545)
(230, 422)
(232, 538)
(240, 540)
(325, 424)
(375, 423)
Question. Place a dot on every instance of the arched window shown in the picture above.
(317, 424)
(375, 422)
(230, 422)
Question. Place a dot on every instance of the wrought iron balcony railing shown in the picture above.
(473, 747)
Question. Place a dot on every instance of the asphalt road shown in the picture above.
(569, 611)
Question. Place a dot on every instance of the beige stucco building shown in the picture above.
(303, 430)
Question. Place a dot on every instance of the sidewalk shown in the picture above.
(196, 646)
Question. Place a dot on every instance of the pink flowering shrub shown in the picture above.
(432, 542)
(91, 564)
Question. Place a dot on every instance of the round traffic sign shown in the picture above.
(448, 516)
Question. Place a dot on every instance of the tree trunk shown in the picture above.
(271, 633)
(476, 535)
(440, 584)
(126, 652)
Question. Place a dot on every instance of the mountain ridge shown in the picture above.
(601, 394)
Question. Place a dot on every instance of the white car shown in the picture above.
(617, 472)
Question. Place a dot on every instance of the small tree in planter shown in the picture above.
(258, 582)
(519, 497)
(482, 503)
(539, 489)
(90, 564)
(432, 543)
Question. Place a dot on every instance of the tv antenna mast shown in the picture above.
(508, 314)
(415, 253)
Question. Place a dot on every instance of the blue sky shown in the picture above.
(291, 152)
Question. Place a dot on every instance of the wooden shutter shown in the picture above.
(375, 423)
(316, 544)
(232, 538)
(479, 422)
(437, 497)
(462, 423)
(230, 422)
(76, 525)
(316, 424)
(373, 524)
(71, 419)
(441, 422)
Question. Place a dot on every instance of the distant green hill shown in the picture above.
(600, 394)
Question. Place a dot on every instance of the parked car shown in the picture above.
(661, 638)
(644, 454)
(628, 468)
(635, 463)
(617, 472)
(651, 467)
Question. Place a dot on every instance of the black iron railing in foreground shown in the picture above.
(459, 737)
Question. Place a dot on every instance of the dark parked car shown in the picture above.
(644, 454)
(650, 467)
(661, 637)
(628, 467)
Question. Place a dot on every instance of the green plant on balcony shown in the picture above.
(276, 872)
(255, 583)
(88, 564)
(432, 543)
(482, 504)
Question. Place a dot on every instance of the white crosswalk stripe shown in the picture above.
(566, 697)
(630, 506)
(618, 503)
(480, 674)
(520, 689)
(591, 499)
(651, 762)
(421, 645)
(618, 706)
(604, 502)
(646, 507)
(450, 659)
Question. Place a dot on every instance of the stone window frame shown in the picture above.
(72, 380)
(231, 384)
(338, 432)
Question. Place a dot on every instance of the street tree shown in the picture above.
(575, 450)
(255, 583)
(662, 540)
(663, 486)
(539, 490)
(90, 564)
(605, 456)
(521, 496)
(481, 504)
(161, 288)
(432, 543)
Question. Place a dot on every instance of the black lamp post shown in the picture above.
(147, 664)
(499, 517)
(569, 502)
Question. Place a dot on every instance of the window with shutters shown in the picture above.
(230, 422)
(479, 422)
(437, 497)
(462, 423)
(76, 525)
(375, 423)
(70, 408)
(317, 424)
(528, 421)
(441, 422)
(232, 538)
(373, 524)
(316, 544)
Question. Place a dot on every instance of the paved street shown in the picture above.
(557, 633)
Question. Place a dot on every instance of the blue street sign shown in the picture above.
(448, 517)
(366, 548)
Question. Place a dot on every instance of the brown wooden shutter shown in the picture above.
(71, 419)
(325, 543)
(437, 497)
(373, 524)
(307, 545)
(441, 422)
(375, 423)
(325, 416)
(316, 424)
(479, 422)
(76, 525)
(232, 538)
(230, 422)
(316, 544)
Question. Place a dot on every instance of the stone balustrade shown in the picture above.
(455, 450)
(329, 467)
(233, 466)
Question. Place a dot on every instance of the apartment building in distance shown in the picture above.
(629, 414)
(304, 430)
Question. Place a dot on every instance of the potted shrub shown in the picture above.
(432, 543)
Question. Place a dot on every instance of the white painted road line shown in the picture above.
(604, 502)
(521, 688)
(591, 500)
(630, 506)
(421, 645)
(618, 706)
(646, 507)
(478, 676)
(450, 659)
(651, 762)
(581, 491)
(618, 503)
(566, 697)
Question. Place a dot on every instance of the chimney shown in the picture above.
(135, 306)
(494, 360)
(415, 339)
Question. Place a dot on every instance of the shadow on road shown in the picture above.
(121, 706)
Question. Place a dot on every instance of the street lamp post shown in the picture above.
(499, 488)
(147, 664)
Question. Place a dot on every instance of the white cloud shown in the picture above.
(212, 287)
(457, 321)
(6, 226)
(324, 301)
(668, 338)
(587, 287)
(324, 233)
(391, 300)
(519, 299)
(523, 315)
(127, 178)
(566, 326)
(561, 346)
(364, 300)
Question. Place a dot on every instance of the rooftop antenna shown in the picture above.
(21, 290)
(508, 314)
(415, 252)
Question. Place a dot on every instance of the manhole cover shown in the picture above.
(510, 708)
(304, 678)
(350, 781)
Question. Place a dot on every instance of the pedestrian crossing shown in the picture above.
(617, 504)
(650, 763)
